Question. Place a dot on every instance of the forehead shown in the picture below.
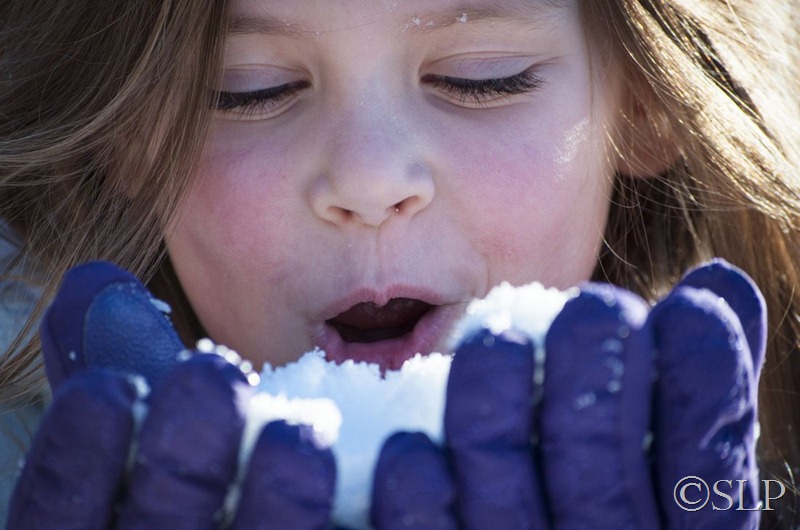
(296, 17)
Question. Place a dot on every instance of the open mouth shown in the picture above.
(388, 334)
(367, 322)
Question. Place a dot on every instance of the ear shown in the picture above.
(643, 140)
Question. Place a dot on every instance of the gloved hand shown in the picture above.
(633, 400)
(102, 327)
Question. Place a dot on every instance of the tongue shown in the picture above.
(366, 322)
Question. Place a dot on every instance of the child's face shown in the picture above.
(377, 163)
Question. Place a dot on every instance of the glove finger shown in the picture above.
(705, 412)
(742, 295)
(104, 317)
(188, 448)
(413, 486)
(488, 425)
(75, 467)
(289, 483)
(595, 412)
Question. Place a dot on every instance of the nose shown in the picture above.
(372, 170)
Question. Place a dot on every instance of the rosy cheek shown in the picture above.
(234, 200)
(536, 205)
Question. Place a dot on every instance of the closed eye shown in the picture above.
(482, 92)
(477, 93)
(262, 102)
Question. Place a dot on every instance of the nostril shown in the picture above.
(408, 206)
(343, 216)
(340, 214)
(371, 198)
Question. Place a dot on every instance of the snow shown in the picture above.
(353, 409)
(529, 310)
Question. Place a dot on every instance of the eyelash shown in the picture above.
(482, 91)
(466, 91)
(257, 101)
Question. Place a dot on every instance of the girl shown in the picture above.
(279, 171)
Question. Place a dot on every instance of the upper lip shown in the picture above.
(381, 297)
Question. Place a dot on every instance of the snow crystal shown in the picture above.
(585, 400)
(139, 410)
(161, 306)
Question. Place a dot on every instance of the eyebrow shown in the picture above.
(265, 24)
(526, 11)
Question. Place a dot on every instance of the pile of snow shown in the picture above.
(353, 409)
(527, 310)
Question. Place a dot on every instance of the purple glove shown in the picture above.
(102, 326)
(634, 399)
(104, 317)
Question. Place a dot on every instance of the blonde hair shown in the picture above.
(105, 107)
(719, 81)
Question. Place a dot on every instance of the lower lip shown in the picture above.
(391, 354)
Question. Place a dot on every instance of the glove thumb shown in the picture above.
(103, 317)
